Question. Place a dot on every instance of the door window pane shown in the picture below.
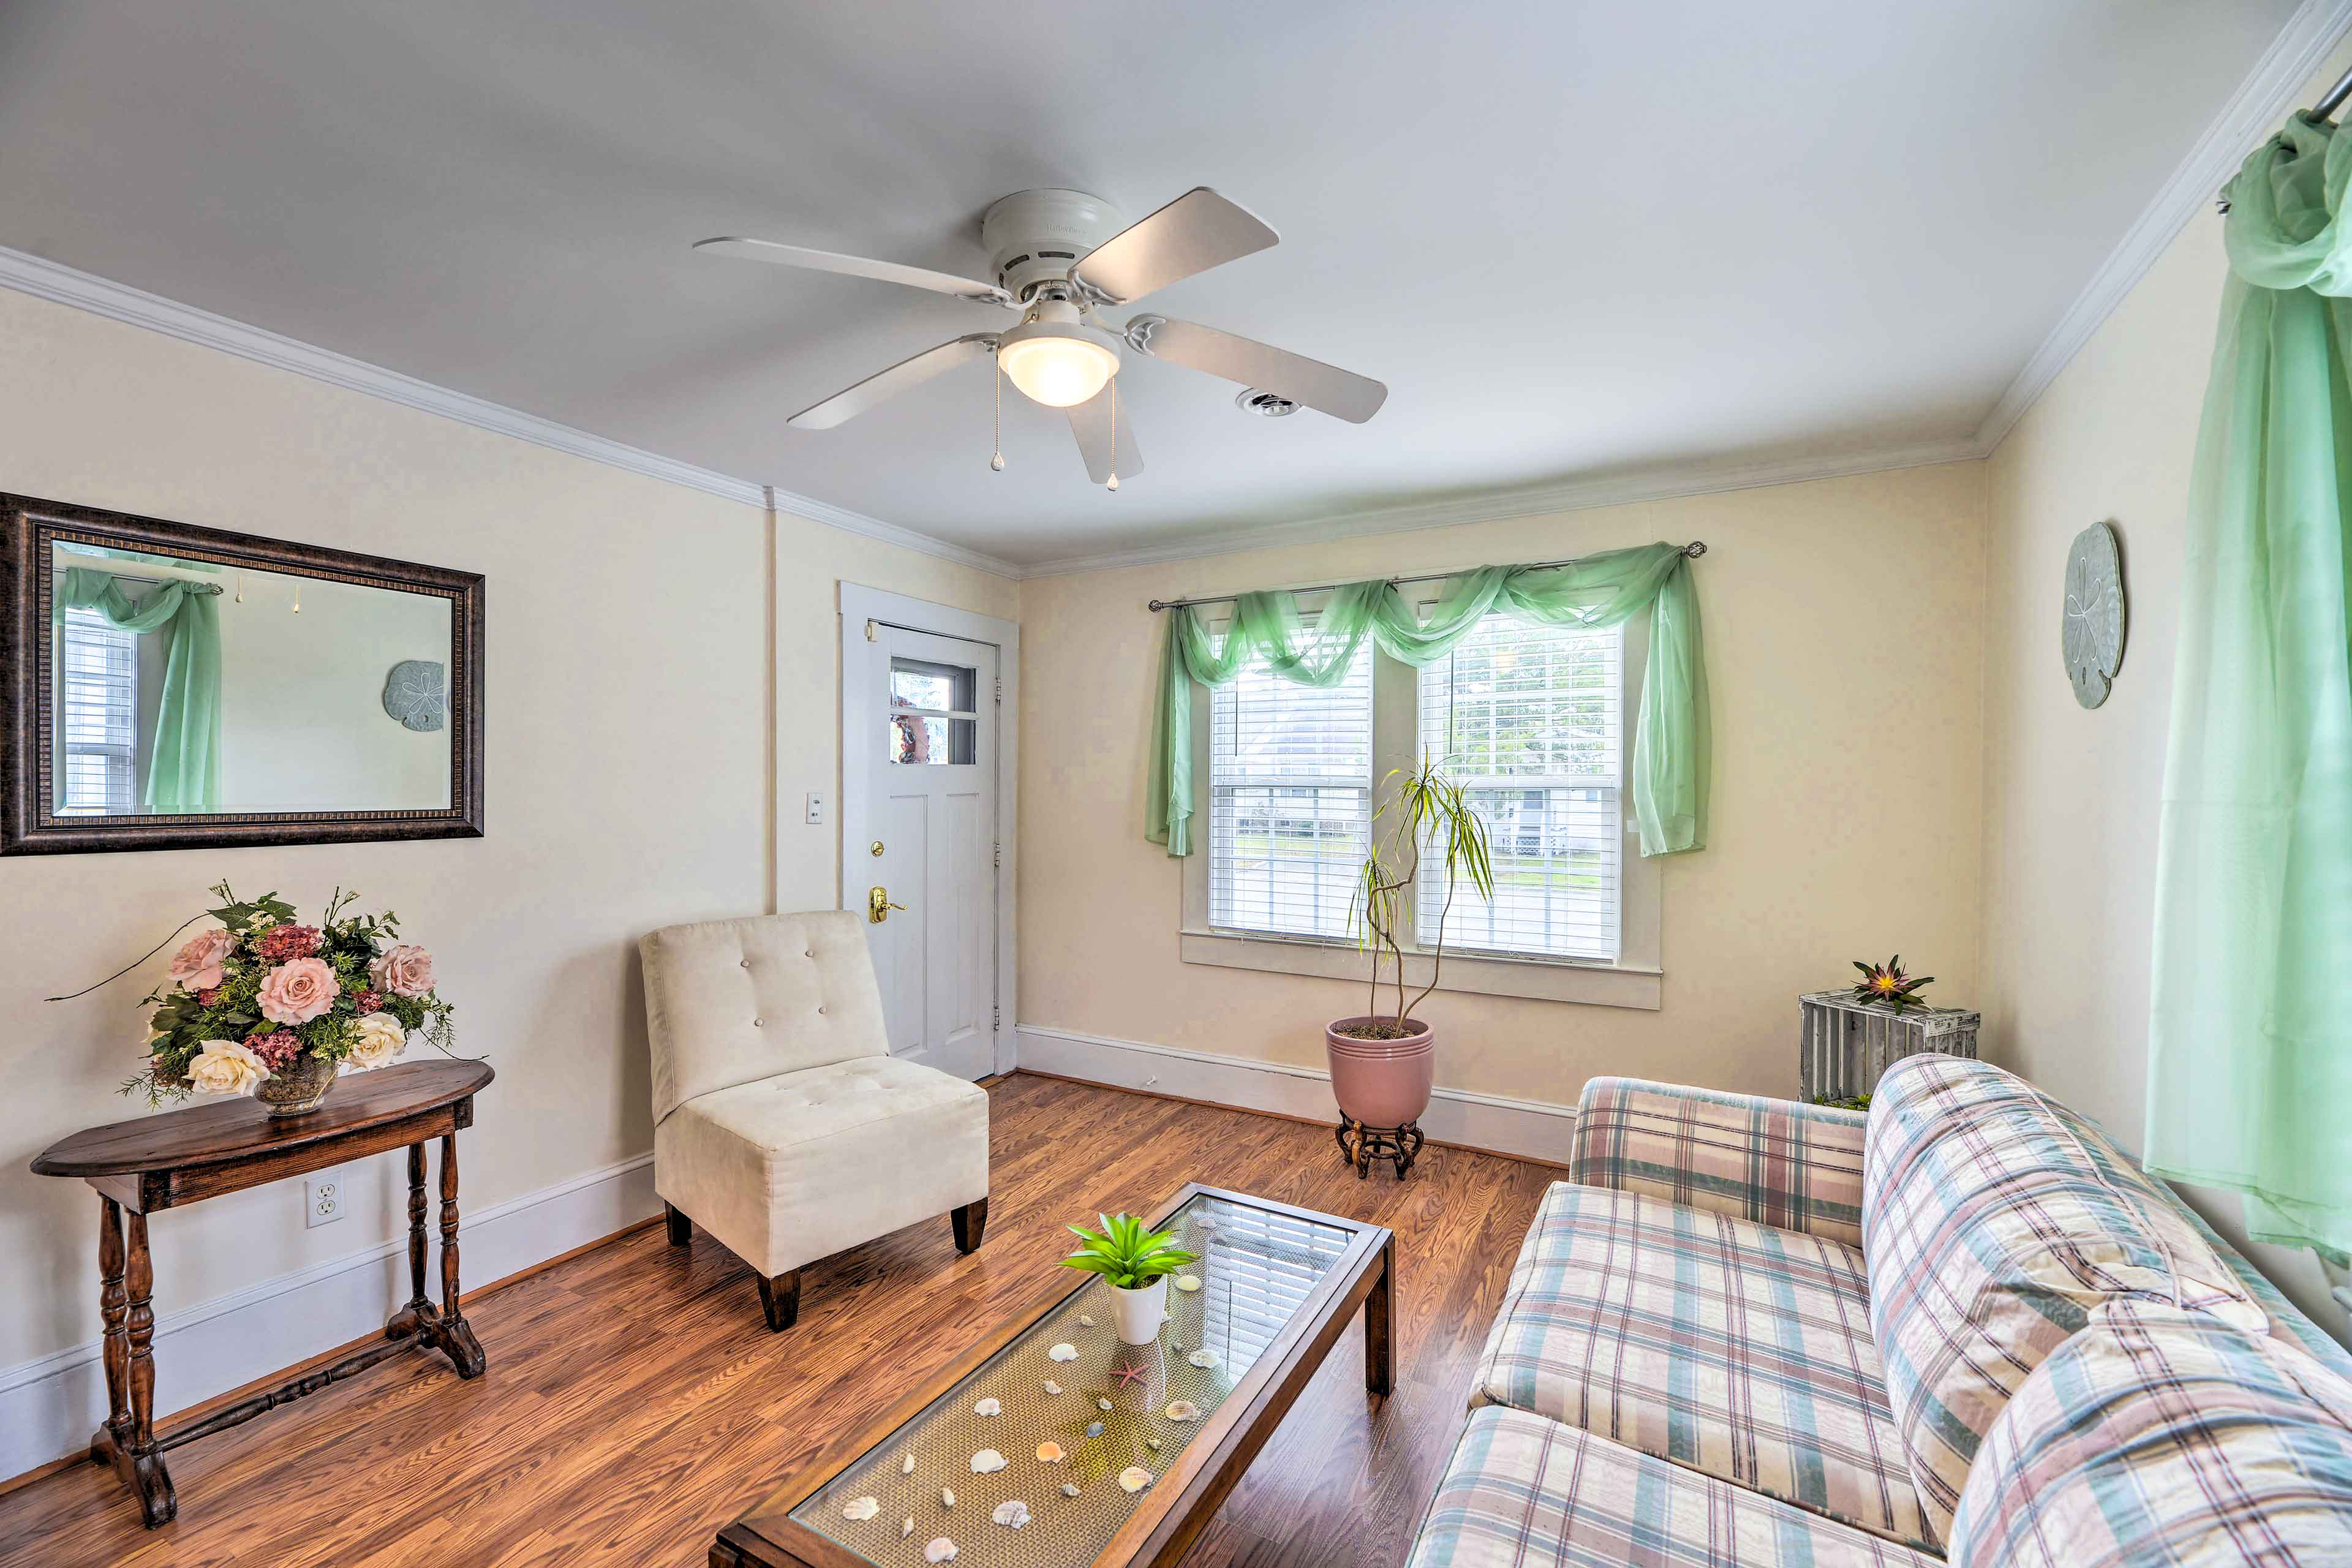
(933, 717)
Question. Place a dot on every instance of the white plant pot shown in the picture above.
(1139, 1314)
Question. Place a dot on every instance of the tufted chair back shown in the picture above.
(731, 1001)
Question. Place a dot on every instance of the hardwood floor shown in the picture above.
(636, 1401)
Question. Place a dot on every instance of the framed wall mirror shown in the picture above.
(172, 687)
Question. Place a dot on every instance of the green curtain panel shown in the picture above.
(184, 773)
(1671, 743)
(2249, 1082)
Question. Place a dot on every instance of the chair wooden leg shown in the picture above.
(970, 1224)
(681, 1229)
(781, 1299)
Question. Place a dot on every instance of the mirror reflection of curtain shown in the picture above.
(184, 769)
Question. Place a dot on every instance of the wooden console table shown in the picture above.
(182, 1156)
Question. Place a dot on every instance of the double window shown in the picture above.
(1529, 719)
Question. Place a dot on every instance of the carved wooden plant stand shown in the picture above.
(163, 1162)
(1360, 1145)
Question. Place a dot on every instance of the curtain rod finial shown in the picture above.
(1695, 549)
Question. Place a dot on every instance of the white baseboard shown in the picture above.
(49, 1406)
(1529, 1129)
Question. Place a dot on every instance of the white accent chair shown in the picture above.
(782, 1123)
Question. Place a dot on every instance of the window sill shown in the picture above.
(1597, 985)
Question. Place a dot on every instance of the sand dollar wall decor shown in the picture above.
(411, 693)
(2090, 635)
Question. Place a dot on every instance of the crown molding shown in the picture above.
(63, 285)
(1572, 495)
(2274, 87)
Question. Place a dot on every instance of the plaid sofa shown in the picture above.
(1965, 1328)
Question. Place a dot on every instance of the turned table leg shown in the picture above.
(415, 1316)
(1380, 1325)
(113, 1302)
(148, 1477)
(457, 1335)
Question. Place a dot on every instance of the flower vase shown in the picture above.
(298, 1088)
(1137, 1314)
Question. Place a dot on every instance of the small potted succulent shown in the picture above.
(1384, 1063)
(1138, 1263)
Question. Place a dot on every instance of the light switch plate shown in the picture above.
(323, 1197)
(815, 806)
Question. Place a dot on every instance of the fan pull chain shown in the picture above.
(996, 460)
(1114, 435)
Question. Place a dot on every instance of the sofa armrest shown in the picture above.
(1776, 1162)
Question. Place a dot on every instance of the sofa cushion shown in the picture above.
(2286, 1320)
(1522, 1490)
(1776, 1162)
(799, 1166)
(1731, 1347)
(2160, 1436)
(730, 1002)
(1995, 1220)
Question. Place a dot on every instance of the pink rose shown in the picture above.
(405, 972)
(297, 991)
(197, 967)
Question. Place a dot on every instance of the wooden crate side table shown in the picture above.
(179, 1157)
(1844, 1047)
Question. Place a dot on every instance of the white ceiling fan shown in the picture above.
(1061, 257)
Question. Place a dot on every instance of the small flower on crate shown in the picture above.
(1886, 985)
(255, 995)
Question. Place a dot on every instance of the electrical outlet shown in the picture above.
(323, 1197)
(815, 806)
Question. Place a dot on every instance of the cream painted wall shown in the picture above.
(2071, 797)
(1842, 640)
(633, 764)
(302, 720)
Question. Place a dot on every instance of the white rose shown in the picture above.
(381, 1040)
(227, 1067)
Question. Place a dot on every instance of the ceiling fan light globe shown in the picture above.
(1059, 371)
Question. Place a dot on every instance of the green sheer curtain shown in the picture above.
(183, 771)
(1671, 743)
(2249, 1082)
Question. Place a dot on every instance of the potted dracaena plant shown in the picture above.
(1136, 1262)
(1383, 1061)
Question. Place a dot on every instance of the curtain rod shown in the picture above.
(1693, 550)
(2329, 102)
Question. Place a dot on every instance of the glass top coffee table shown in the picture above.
(1064, 1447)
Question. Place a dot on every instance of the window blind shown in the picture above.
(1531, 720)
(1290, 777)
(99, 714)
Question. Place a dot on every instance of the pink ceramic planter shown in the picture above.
(1381, 1083)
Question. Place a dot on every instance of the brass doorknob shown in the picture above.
(879, 905)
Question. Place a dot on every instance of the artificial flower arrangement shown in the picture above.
(255, 997)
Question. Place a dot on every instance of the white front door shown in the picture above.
(919, 837)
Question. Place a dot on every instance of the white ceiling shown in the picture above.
(1574, 238)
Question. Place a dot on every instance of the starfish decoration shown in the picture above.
(1126, 1373)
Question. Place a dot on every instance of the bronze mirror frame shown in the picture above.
(29, 527)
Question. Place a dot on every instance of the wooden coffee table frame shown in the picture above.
(1179, 1505)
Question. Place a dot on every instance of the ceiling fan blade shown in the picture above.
(855, 266)
(1091, 422)
(885, 384)
(1197, 230)
(1339, 393)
